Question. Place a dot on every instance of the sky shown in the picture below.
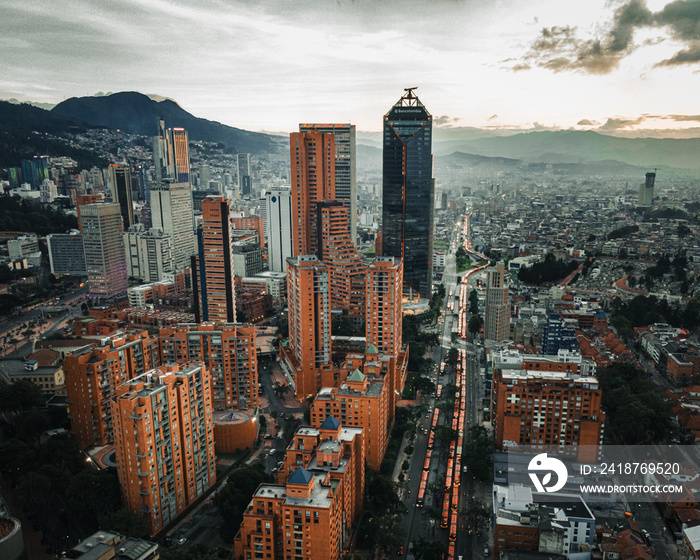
(617, 66)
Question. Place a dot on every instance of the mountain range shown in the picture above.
(137, 113)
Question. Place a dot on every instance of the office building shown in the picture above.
(82, 199)
(384, 310)
(120, 183)
(497, 311)
(314, 509)
(35, 170)
(558, 334)
(108, 545)
(279, 228)
(345, 172)
(215, 298)
(646, 191)
(171, 212)
(345, 266)
(309, 309)
(408, 197)
(66, 254)
(171, 154)
(164, 441)
(546, 401)
(105, 257)
(149, 253)
(229, 352)
(247, 259)
(23, 246)
(312, 157)
(244, 174)
(92, 375)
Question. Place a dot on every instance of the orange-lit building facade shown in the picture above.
(312, 156)
(311, 513)
(308, 352)
(384, 310)
(164, 441)
(362, 393)
(546, 401)
(229, 352)
(345, 266)
(92, 377)
(215, 297)
(181, 151)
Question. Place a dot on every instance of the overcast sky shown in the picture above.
(587, 64)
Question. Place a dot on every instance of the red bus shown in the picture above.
(453, 526)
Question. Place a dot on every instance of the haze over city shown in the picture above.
(611, 66)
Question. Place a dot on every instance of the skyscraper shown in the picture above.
(171, 154)
(308, 302)
(279, 228)
(149, 253)
(312, 156)
(497, 312)
(105, 257)
(215, 298)
(120, 180)
(646, 190)
(171, 211)
(408, 198)
(345, 173)
(244, 175)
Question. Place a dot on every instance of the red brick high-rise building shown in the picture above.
(229, 352)
(345, 266)
(215, 298)
(546, 401)
(384, 311)
(308, 302)
(311, 513)
(92, 376)
(164, 441)
(313, 180)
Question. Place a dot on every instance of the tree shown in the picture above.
(22, 395)
(479, 451)
(474, 324)
(424, 549)
(92, 495)
(475, 515)
(127, 523)
(232, 500)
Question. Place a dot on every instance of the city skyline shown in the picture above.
(599, 65)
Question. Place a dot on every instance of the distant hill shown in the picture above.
(26, 130)
(572, 146)
(136, 113)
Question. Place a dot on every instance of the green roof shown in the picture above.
(372, 349)
(357, 375)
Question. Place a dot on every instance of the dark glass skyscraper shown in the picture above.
(409, 191)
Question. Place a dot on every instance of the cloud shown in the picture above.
(617, 123)
(445, 120)
(560, 49)
(587, 122)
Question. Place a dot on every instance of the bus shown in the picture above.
(438, 394)
(453, 527)
(444, 520)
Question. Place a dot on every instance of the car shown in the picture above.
(400, 551)
(182, 541)
(273, 451)
(486, 552)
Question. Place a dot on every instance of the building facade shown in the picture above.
(312, 157)
(309, 308)
(497, 310)
(384, 311)
(149, 253)
(345, 167)
(66, 254)
(215, 298)
(120, 182)
(92, 376)
(279, 228)
(409, 191)
(227, 350)
(105, 257)
(164, 441)
(171, 211)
